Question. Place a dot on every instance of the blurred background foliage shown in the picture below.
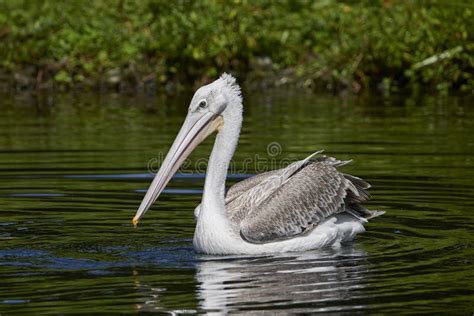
(127, 45)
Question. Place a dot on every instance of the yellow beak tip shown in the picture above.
(135, 222)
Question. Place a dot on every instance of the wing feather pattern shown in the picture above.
(294, 206)
(244, 196)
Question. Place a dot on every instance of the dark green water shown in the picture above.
(73, 170)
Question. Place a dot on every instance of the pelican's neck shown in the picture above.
(221, 155)
(214, 230)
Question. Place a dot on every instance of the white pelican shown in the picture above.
(307, 205)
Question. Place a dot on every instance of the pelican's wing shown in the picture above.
(316, 191)
(243, 186)
(245, 195)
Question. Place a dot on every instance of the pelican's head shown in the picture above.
(211, 106)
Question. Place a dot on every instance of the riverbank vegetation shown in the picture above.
(153, 44)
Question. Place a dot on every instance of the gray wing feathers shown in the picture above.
(310, 195)
(246, 195)
(243, 186)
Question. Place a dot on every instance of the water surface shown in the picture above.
(74, 168)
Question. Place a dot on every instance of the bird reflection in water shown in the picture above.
(322, 280)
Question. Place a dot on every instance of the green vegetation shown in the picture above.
(389, 45)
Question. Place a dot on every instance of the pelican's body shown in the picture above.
(307, 205)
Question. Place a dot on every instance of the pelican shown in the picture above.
(307, 205)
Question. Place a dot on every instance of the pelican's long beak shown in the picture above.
(195, 129)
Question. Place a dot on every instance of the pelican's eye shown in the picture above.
(202, 104)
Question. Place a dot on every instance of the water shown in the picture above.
(74, 168)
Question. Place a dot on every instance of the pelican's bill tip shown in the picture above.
(135, 222)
